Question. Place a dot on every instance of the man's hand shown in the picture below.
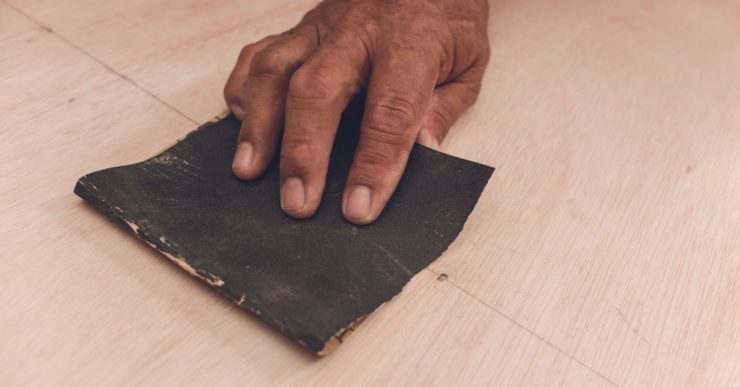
(421, 60)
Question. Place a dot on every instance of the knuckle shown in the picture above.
(443, 116)
(297, 142)
(391, 117)
(384, 136)
(374, 164)
(380, 157)
(233, 91)
(270, 63)
(311, 84)
(384, 145)
(246, 51)
(230, 93)
(298, 154)
(233, 87)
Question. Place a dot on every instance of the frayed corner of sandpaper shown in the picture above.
(339, 337)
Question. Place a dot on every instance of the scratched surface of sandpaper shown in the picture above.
(311, 279)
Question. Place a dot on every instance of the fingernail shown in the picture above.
(358, 203)
(243, 156)
(237, 110)
(292, 195)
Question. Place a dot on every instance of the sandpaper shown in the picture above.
(312, 279)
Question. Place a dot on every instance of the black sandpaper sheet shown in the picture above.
(311, 279)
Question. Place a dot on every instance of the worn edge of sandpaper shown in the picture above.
(85, 189)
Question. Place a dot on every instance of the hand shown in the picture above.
(421, 61)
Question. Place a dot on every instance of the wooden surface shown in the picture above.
(605, 250)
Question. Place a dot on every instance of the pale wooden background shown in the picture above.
(604, 251)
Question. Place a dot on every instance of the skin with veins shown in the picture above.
(420, 62)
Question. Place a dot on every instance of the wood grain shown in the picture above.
(605, 251)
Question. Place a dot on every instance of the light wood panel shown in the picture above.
(13, 24)
(182, 54)
(59, 73)
(201, 69)
(605, 250)
(135, 34)
(611, 224)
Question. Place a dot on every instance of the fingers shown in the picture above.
(264, 100)
(400, 88)
(318, 93)
(236, 84)
(449, 102)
